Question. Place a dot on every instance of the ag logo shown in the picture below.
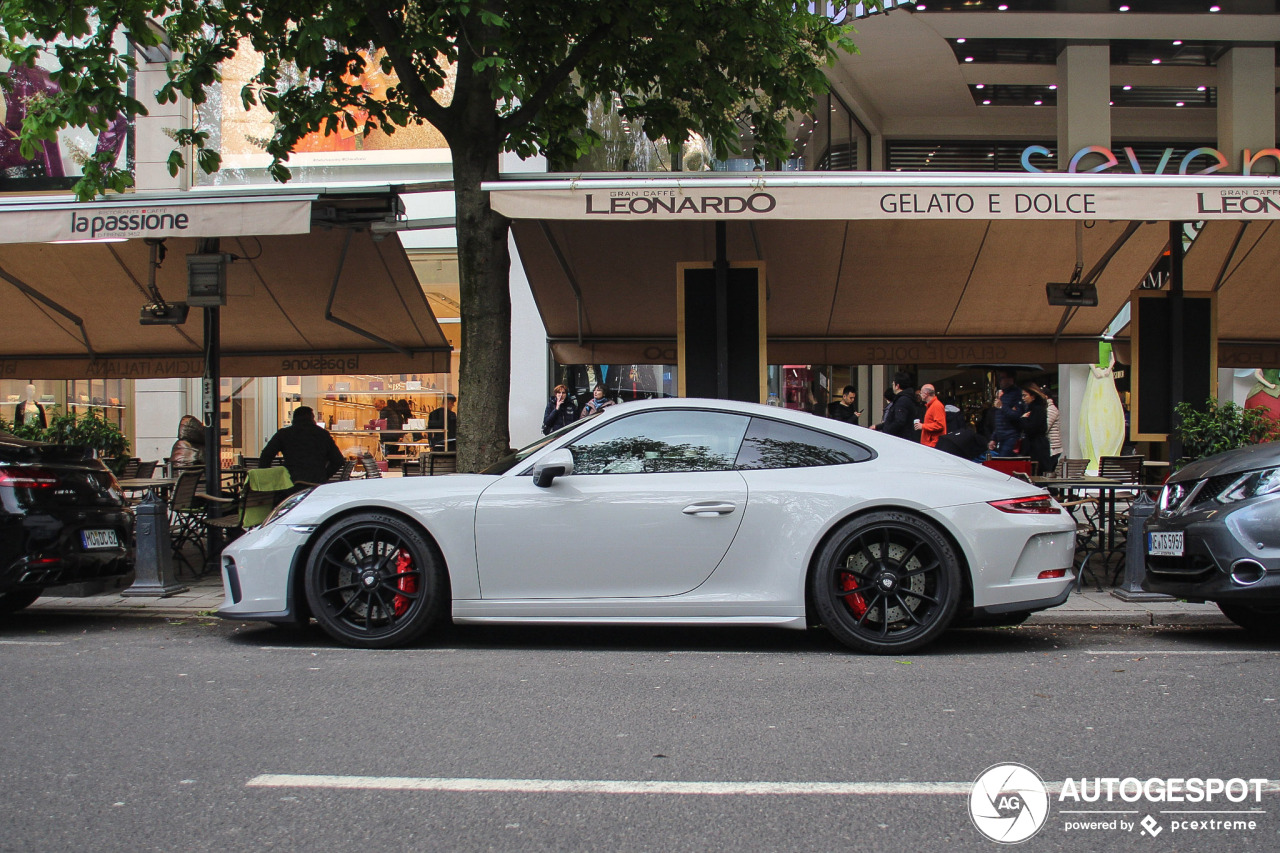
(1008, 803)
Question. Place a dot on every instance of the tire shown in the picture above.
(17, 599)
(373, 581)
(1260, 620)
(886, 564)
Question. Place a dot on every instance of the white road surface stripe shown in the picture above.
(613, 786)
(608, 786)
(1137, 653)
(30, 643)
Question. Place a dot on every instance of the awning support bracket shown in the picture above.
(351, 327)
(40, 297)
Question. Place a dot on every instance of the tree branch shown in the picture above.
(531, 106)
(419, 95)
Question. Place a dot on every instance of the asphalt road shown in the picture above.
(142, 734)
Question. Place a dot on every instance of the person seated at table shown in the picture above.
(310, 453)
(960, 439)
(188, 450)
(444, 419)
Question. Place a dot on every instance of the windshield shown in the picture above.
(511, 460)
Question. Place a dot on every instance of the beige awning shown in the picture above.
(187, 214)
(878, 269)
(839, 292)
(278, 319)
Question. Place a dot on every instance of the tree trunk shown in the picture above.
(484, 261)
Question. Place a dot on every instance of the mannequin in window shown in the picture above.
(29, 412)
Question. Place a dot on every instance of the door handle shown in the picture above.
(708, 509)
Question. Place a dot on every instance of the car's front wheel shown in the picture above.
(1262, 620)
(17, 599)
(374, 581)
(886, 583)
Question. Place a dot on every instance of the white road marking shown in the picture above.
(617, 786)
(31, 643)
(399, 652)
(1142, 652)
(610, 786)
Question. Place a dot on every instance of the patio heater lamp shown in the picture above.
(1072, 293)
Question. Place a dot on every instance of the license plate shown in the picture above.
(1164, 543)
(99, 539)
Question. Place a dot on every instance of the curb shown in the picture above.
(1141, 619)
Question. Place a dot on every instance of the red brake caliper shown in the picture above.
(856, 602)
(406, 582)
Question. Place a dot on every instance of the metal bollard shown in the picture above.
(153, 551)
(1135, 559)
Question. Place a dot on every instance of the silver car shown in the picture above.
(722, 513)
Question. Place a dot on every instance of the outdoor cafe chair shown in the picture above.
(263, 488)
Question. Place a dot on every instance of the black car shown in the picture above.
(1215, 536)
(63, 519)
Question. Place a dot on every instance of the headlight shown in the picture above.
(1251, 485)
(283, 508)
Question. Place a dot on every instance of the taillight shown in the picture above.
(1036, 505)
(26, 477)
(1050, 574)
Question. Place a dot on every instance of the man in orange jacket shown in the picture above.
(935, 417)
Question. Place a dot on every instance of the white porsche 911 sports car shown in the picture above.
(668, 512)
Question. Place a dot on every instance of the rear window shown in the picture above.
(774, 444)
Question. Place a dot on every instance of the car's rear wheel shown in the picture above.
(1260, 619)
(374, 581)
(886, 583)
(17, 599)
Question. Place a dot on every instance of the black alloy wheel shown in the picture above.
(373, 581)
(886, 583)
(1261, 620)
(16, 599)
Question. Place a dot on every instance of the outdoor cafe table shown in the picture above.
(1064, 488)
(158, 485)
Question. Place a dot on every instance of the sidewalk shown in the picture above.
(1087, 607)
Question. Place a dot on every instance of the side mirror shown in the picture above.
(557, 463)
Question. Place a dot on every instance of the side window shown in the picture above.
(773, 444)
(660, 442)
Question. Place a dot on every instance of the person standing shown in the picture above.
(845, 409)
(442, 425)
(598, 402)
(899, 418)
(1034, 425)
(310, 453)
(560, 412)
(934, 423)
(1055, 428)
(1009, 409)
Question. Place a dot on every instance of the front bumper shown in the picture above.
(1229, 554)
(258, 572)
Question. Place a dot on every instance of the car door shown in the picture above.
(650, 509)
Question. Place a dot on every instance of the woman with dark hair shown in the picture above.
(597, 403)
(561, 410)
(1034, 426)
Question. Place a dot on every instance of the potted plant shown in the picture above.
(93, 431)
(1217, 427)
